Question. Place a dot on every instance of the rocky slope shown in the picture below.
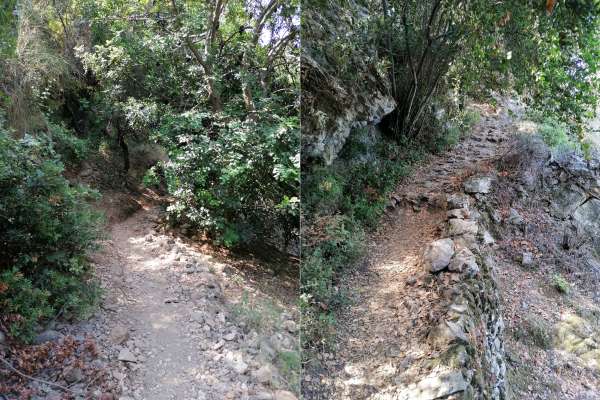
(547, 261)
(342, 85)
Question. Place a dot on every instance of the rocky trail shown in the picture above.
(179, 322)
(180, 325)
(426, 316)
(383, 341)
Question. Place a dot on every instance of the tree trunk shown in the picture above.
(267, 11)
(214, 97)
(247, 94)
(124, 149)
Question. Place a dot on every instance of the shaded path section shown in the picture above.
(382, 343)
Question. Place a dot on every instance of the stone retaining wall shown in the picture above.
(472, 366)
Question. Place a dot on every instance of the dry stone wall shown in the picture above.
(471, 332)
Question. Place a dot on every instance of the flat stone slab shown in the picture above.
(479, 184)
(435, 386)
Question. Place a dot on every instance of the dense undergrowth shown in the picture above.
(238, 182)
(46, 227)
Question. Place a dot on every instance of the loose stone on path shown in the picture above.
(438, 254)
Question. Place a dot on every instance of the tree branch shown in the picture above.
(16, 371)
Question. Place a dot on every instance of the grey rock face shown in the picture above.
(468, 241)
(464, 261)
(264, 374)
(577, 196)
(126, 355)
(47, 336)
(284, 395)
(446, 333)
(460, 213)
(458, 201)
(462, 227)
(438, 254)
(119, 334)
(335, 103)
(290, 326)
(435, 387)
(488, 238)
(72, 374)
(514, 218)
(587, 217)
(566, 199)
(235, 360)
(527, 258)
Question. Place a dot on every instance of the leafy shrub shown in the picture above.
(46, 227)
(72, 149)
(448, 130)
(555, 134)
(151, 177)
(317, 321)
(238, 180)
(560, 284)
(290, 365)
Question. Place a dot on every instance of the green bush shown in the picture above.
(72, 149)
(560, 284)
(238, 180)
(555, 134)
(46, 228)
(290, 365)
(447, 133)
(151, 177)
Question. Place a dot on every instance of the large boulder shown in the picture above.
(438, 254)
(566, 199)
(587, 218)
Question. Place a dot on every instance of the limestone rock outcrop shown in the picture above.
(342, 90)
